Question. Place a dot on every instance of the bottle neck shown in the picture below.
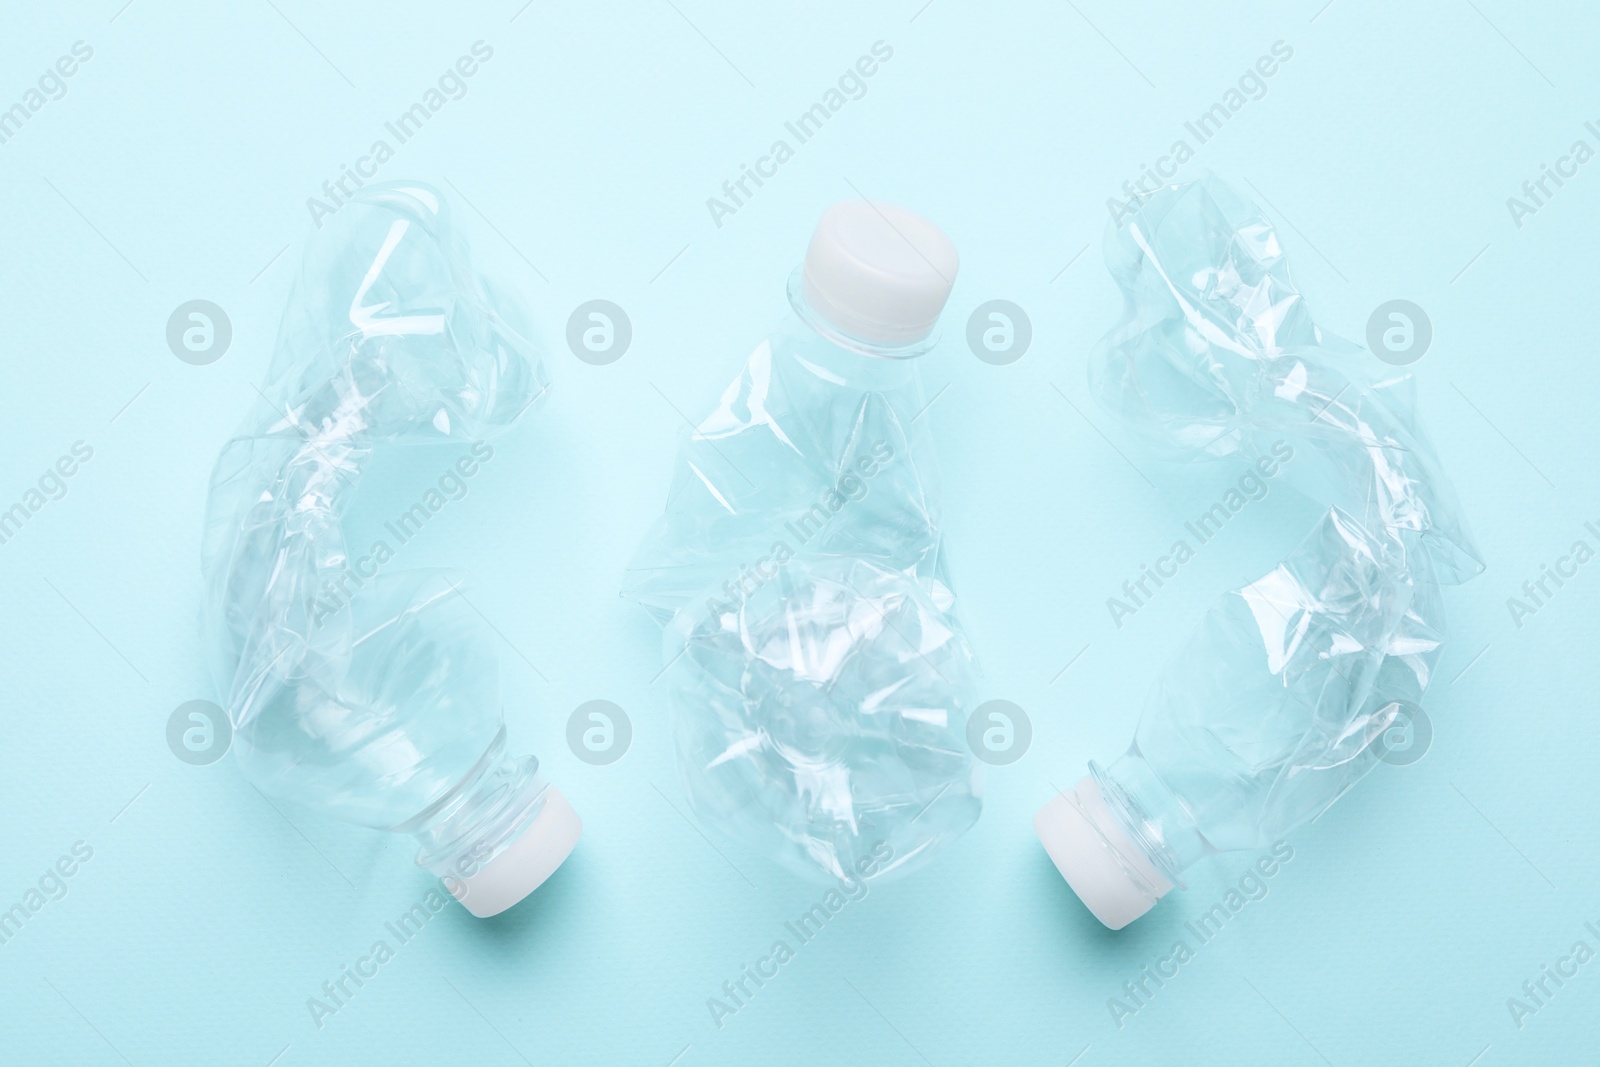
(834, 334)
(854, 364)
(482, 816)
(1151, 814)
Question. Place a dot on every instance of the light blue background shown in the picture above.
(177, 166)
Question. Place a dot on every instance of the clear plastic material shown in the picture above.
(820, 680)
(361, 690)
(1281, 700)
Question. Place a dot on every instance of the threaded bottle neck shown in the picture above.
(831, 331)
(1150, 813)
(483, 815)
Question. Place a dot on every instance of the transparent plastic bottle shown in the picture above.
(1288, 692)
(358, 689)
(820, 681)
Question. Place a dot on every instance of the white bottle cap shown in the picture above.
(878, 272)
(1109, 872)
(524, 866)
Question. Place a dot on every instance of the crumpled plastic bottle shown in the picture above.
(1286, 694)
(366, 692)
(820, 679)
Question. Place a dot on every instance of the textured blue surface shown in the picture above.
(176, 165)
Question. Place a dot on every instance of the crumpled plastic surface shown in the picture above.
(354, 686)
(1287, 692)
(820, 680)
